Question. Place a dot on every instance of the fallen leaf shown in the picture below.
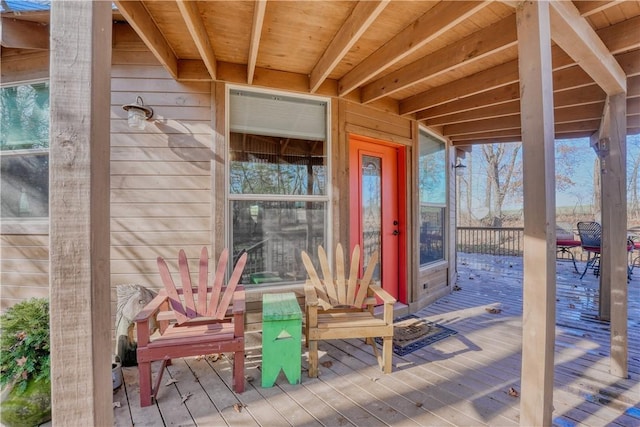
(457, 288)
(513, 392)
(249, 379)
(116, 404)
(214, 357)
(21, 335)
(199, 357)
(493, 310)
(21, 361)
(237, 407)
(419, 404)
(186, 397)
(171, 381)
(327, 364)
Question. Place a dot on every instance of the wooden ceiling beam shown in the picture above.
(588, 8)
(192, 18)
(576, 37)
(619, 37)
(21, 34)
(562, 99)
(478, 45)
(138, 17)
(562, 115)
(439, 19)
(569, 83)
(362, 16)
(256, 34)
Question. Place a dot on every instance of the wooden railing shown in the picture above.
(500, 241)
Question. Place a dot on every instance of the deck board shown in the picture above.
(463, 380)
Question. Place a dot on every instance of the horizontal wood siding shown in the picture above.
(160, 176)
(24, 263)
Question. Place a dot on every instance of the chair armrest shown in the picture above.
(382, 294)
(310, 297)
(239, 301)
(152, 307)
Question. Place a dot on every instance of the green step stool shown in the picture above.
(281, 338)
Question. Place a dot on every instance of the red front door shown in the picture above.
(375, 208)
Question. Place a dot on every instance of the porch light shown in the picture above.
(138, 113)
(459, 168)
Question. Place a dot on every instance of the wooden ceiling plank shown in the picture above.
(499, 36)
(192, 18)
(138, 17)
(576, 37)
(459, 113)
(21, 34)
(588, 8)
(562, 115)
(360, 19)
(260, 7)
(441, 18)
(507, 73)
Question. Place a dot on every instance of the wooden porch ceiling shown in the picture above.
(453, 65)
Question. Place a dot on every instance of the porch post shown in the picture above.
(613, 278)
(81, 351)
(539, 285)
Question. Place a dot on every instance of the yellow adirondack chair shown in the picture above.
(342, 307)
(193, 321)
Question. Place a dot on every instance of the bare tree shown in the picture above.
(504, 176)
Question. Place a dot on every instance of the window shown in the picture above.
(24, 152)
(432, 187)
(278, 182)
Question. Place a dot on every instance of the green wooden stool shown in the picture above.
(281, 333)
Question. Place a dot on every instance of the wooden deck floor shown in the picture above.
(463, 380)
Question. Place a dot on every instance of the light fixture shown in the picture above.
(459, 167)
(138, 113)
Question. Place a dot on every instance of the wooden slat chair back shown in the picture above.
(194, 320)
(342, 306)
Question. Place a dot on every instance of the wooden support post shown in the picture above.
(613, 271)
(81, 384)
(539, 285)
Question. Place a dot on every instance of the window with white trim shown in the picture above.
(24, 151)
(432, 193)
(278, 182)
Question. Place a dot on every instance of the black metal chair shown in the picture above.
(590, 240)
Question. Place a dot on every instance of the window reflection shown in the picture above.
(432, 186)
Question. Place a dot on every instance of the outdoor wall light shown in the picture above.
(138, 114)
(459, 168)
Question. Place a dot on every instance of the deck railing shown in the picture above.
(500, 241)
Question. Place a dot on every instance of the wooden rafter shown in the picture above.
(256, 32)
(464, 111)
(20, 34)
(576, 37)
(138, 17)
(441, 18)
(486, 41)
(588, 8)
(361, 17)
(618, 38)
(195, 25)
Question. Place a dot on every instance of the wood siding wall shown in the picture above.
(163, 189)
(24, 263)
(160, 176)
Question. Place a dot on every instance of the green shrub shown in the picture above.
(24, 344)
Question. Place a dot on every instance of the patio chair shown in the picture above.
(193, 321)
(590, 240)
(342, 307)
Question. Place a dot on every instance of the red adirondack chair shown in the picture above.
(193, 321)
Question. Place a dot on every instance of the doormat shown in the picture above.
(411, 333)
